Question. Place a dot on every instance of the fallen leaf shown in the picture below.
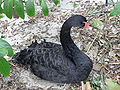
(111, 85)
(87, 86)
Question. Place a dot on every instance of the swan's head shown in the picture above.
(78, 21)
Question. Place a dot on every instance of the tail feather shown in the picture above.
(23, 57)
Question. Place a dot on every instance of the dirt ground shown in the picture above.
(101, 45)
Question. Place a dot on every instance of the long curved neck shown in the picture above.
(67, 43)
(69, 47)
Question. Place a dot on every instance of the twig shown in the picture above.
(102, 55)
(83, 85)
(106, 3)
(8, 23)
(93, 42)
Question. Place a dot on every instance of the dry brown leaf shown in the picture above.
(87, 86)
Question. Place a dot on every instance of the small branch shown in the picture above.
(106, 3)
(83, 86)
(8, 23)
(92, 42)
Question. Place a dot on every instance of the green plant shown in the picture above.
(112, 85)
(5, 50)
(75, 5)
(73, 88)
(98, 82)
(116, 10)
(18, 6)
(97, 23)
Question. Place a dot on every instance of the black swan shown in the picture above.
(58, 63)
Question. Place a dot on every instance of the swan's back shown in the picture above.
(48, 61)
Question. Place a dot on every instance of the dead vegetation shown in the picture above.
(101, 44)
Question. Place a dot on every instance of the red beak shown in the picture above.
(86, 25)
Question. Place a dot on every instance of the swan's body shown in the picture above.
(53, 62)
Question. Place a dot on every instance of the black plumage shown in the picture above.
(58, 63)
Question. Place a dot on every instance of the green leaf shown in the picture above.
(19, 8)
(97, 23)
(73, 88)
(8, 8)
(1, 16)
(75, 5)
(30, 8)
(111, 85)
(116, 10)
(4, 67)
(3, 52)
(56, 2)
(44, 7)
(1, 10)
(0, 2)
(6, 45)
